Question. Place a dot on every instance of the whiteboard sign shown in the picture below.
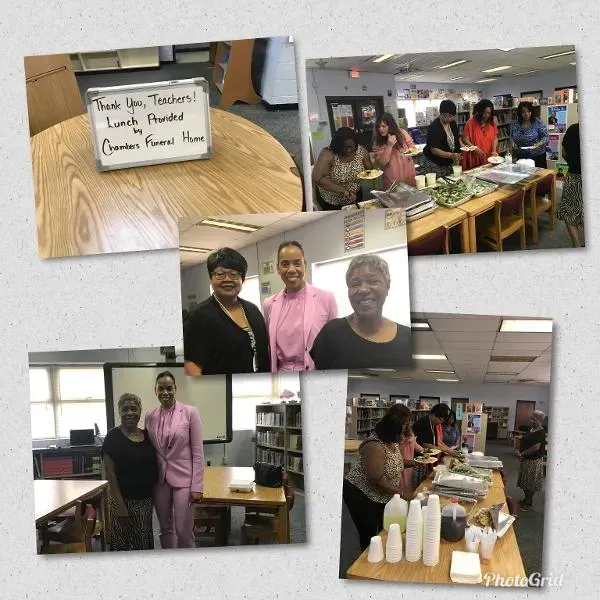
(149, 123)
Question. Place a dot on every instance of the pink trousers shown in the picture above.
(175, 516)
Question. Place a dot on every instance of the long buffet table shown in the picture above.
(465, 215)
(506, 560)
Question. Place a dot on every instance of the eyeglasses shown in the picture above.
(220, 275)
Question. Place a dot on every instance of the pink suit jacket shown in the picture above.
(319, 308)
(181, 463)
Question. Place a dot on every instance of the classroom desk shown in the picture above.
(216, 491)
(440, 217)
(54, 496)
(81, 211)
(506, 559)
(351, 446)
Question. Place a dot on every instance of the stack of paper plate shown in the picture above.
(465, 567)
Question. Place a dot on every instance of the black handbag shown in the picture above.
(268, 475)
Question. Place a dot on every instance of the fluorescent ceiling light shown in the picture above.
(383, 57)
(448, 380)
(402, 378)
(558, 54)
(527, 325)
(504, 374)
(383, 370)
(447, 372)
(430, 357)
(526, 72)
(192, 249)
(359, 376)
(420, 325)
(506, 49)
(453, 64)
(493, 70)
(486, 80)
(455, 78)
(228, 225)
(410, 77)
(573, 63)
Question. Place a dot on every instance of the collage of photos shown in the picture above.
(197, 148)
(130, 454)
(448, 459)
(480, 147)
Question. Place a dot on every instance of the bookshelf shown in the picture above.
(115, 60)
(67, 463)
(232, 72)
(498, 415)
(279, 438)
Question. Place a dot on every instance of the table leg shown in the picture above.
(283, 534)
(465, 240)
(472, 234)
(104, 534)
(534, 221)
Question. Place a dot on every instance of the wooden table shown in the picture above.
(80, 211)
(216, 491)
(440, 217)
(506, 559)
(54, 496)
(351, 446)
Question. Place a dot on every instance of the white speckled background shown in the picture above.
(133, 300)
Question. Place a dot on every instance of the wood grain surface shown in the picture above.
(80, 211)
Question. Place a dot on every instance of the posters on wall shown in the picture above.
(354, 231)
(557, 118)
(459, 411)
(269, 267)
(554, 146)
(473, 423)
(469, 441)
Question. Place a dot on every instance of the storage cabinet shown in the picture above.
(111, 60)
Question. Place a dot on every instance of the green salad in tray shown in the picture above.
(450, 194)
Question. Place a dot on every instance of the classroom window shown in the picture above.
(247, 392)
(65, 398)
(331, 275)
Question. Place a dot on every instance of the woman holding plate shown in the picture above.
(442, 150)
(529, 136)
(481, 133)
(390, 144)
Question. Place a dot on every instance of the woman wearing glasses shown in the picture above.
(225, 334)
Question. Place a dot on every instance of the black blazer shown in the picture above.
(218, 345)
(436, 138)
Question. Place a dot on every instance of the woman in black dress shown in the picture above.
(132, 472)
(531, 454)
(443, 142)
(225, 334)
(570, 205)
(364, 339)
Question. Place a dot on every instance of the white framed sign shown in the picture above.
(150, 123)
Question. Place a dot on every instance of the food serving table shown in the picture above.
(506, 559)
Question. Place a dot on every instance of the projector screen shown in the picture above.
(210, 394)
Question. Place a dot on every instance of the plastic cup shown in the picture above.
(457, 170)
(486, 546)
(430, 178)
(420, 181)
(375, 550)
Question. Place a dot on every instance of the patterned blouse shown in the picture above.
(392, 471)
(344, 173)
(529, 136)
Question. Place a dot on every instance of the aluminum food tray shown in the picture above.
(420, 215)
(457, 203)
(463, 482)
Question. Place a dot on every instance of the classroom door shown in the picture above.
(358, 113)
(458, 406)
(523, 414)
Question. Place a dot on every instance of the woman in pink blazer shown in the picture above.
(176, 433)
(295, 315)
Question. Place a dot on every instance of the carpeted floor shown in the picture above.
(529, 526)
(281, 122)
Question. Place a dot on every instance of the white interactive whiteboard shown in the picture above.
(150, 123)
(210, 394)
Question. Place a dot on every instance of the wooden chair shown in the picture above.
(211, 524)
(52, 92)
(542, 199)
(262, 523)
(435, 243)
(509, 217)
(71, 534)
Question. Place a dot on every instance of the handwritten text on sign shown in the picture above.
(150, 125)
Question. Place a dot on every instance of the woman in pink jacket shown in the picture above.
(390, 142)
(176, 433)
(295, 315)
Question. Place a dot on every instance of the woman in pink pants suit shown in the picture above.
(176, 433)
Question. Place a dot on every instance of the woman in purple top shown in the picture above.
(529, 136)
(297, 314)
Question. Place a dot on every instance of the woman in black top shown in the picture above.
(364, 339)
(531, 454)
(570, 206)
(132, 471)
(443, 142)
(225, 334)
